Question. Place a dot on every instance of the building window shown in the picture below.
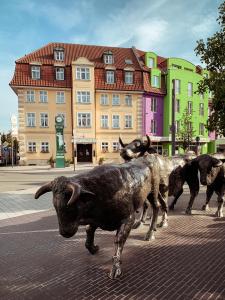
(154, 104)
(128, 100)
(31, 147)
(201, 109)
(177, 106)
(82, 73)
(129, 77)
(104, 121)
(128, 121)
(31, 119)
(189, 126)
(60, 97)
(43, 119)
(43, 97)
(151, 62)
(115, 147)
(115, 121)
(177, 126)
(59, 72)
(105, 147)
(116, 100)
(177, 86)
(108, 59)
(63, 115)
(83, 97)
(44, 147)
(84, 120)
(155, 81)
(30, 96)
(35, 72)
(201, 96)
(190, 89)
(190, 107)
(201, 128)
(59, 55)
(104, 99)
(110, 77)
(153, 126)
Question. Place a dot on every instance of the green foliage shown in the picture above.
(186, 133)
(212, 53)
(7, 137)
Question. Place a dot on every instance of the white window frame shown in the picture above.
(128, 121)
(108, 59)
(155, 82)
(115, 99)
(104, 99)
(83, 73)
(31, 147)
(59, 55)
(30, 96)
(116, 121)
(128, 100)
(104, 147)
(59, 73)
(60, 97)
(129, 77)
(151, 62)
(43, 96)
(201, 128)
(154, 104)
(45, 147)
(110, 76)
(190, 89)
(153, 128)
(83, 116)
(31, 119)
(177, 86)
(44, 120)
(36, 72)
(115, 146)
(201, 109)
(104, 121)
(83, 97)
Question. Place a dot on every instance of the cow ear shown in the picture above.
(121, 143)
(216, 162)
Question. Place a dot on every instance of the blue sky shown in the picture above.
(168, 27)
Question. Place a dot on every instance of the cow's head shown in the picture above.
(135, 149)
(208, 166)
(176, 181)
(66, 200)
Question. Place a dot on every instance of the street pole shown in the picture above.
(12, 151)
(74, 150)
(173, 133)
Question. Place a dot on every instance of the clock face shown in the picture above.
(59, 119)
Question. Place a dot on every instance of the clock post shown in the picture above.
(60, 158)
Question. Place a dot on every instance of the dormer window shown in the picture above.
(151, 62)
(59, 73)
(129, 77)
(110, 77)
(108, 58)
(59, 54)
(35, 72)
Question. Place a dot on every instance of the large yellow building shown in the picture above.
(98, 91)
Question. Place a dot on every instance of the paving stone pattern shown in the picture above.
(186, 261)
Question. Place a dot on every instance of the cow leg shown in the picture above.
(150, 235)
(89, 244)
(194, 190)
(209, 193)
(221, 200)
(171, 207)
(120, 239)
(145, 212)
(164, 206)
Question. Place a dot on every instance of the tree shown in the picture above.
(7, 137)
(212, 53)
(185, 134)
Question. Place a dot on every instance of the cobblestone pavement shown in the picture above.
(186, 261)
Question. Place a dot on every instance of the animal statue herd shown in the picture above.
(112, 196)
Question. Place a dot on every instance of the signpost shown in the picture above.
(13, 134)
(60, 156)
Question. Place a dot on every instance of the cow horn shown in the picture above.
(75, 188)
(121, 143)
(217, 162)
(148, 142)
(43, 189)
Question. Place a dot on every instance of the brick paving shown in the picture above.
(186, 261)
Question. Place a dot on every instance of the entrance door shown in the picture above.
(84, 152)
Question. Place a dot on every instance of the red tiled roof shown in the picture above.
(148, 88)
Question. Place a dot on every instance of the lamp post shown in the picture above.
(173, 130)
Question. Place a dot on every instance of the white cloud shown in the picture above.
(204, 26)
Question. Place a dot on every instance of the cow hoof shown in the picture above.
(205, 207)
(188, 211)
(219, 214)
(150, 236)
(163, 224)
(115, 273)
(92, 249)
